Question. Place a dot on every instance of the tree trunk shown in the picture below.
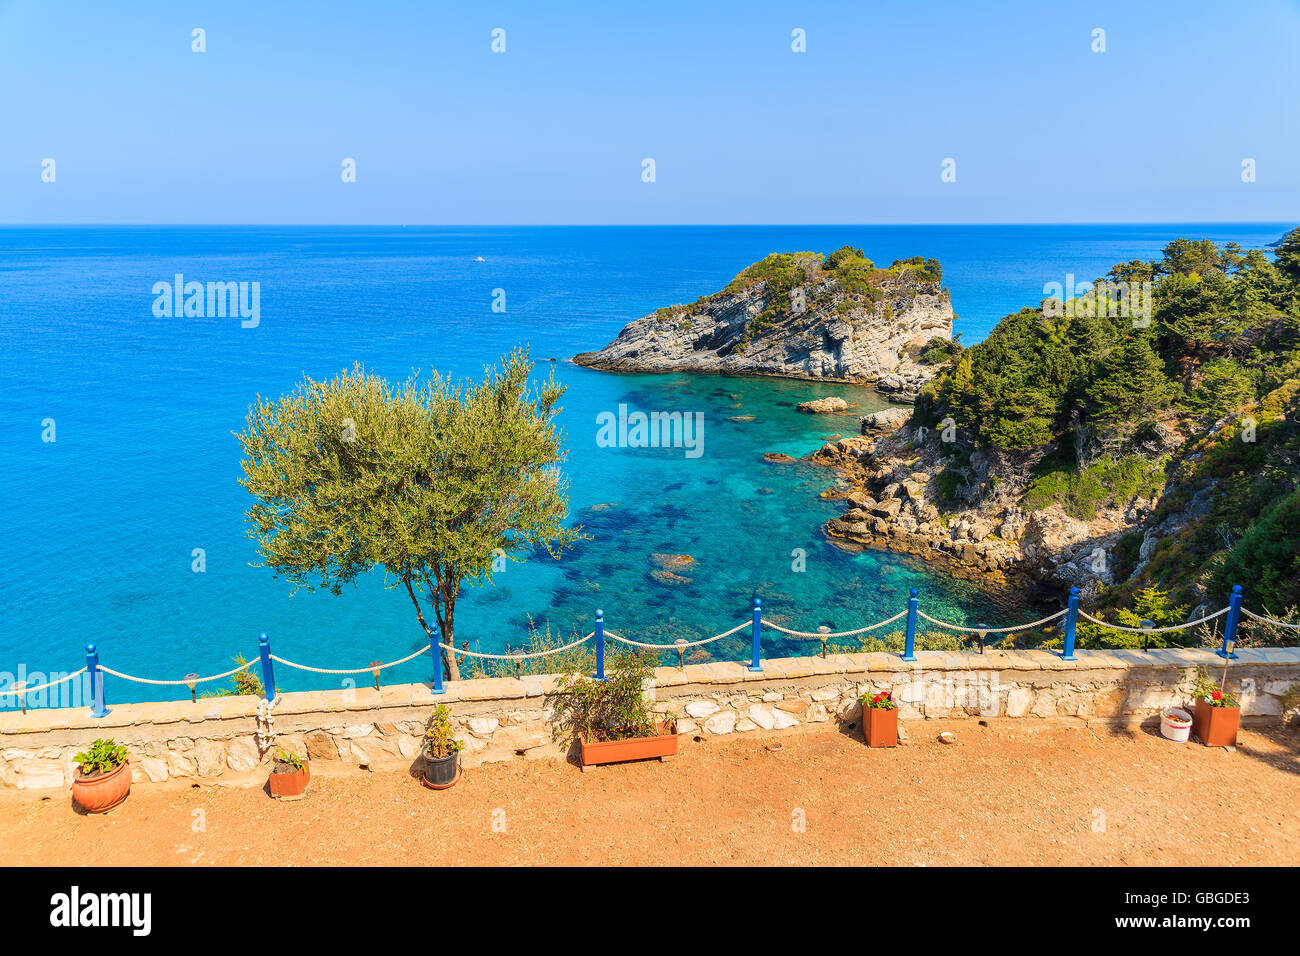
(448, 637)
(449, 668)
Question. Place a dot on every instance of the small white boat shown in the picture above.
(479, 259)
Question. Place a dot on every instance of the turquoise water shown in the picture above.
(102, 522)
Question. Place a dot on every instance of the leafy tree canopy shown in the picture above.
(430, 481)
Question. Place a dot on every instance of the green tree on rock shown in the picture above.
(1287, 255)
(1128, 385)
(433, 482)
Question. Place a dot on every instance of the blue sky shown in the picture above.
(742, 129)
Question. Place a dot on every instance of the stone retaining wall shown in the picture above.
(506, 718)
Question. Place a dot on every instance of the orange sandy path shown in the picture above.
(1006, 794)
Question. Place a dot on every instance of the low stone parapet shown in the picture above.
(509, 718)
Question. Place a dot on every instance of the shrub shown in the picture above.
(1266, 559)
(882, 701)
(844, 254)
(937, 350)
(246, 683)
(924, 270)
(1203, 688)
(1224, 387)
(580, 658)
(439, 736)
(102, 757)
(1149, 604)
(1081, 493)
(1253, 633)
(612, 709)
(288, 757)
(950, 482)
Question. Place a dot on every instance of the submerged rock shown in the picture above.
(671, 562)
(824, 406)
(669, 578)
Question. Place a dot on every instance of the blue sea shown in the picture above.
(102, 523)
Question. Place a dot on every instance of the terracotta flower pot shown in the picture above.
(1216, 726)
(289, 782)
(102, 792)
(880, 727)
(636, 748)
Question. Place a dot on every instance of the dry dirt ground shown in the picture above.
(1005, 794)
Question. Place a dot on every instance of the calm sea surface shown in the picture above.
(102, 523)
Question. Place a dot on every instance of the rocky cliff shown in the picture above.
(797, 315)
(908, 490)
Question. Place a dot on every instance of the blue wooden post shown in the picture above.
(1230, 625)
(436, 651)
(1071, 621)
(757, 664)
(600, 644)
(97, 708)
(268, 670)
(909, 650)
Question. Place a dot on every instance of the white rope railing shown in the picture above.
(24, 689)
(821, 636)
(175, 683)
(20, 689)
(1269, 620)
(683, 645)
(1154, 630)
(992, 630)
(516, 657)
(354, 670)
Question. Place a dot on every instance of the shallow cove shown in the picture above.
(752, 527)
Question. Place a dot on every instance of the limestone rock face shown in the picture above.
(885, 422)
(836, 336)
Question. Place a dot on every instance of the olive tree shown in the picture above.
(434, 482)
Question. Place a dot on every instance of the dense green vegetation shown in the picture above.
(782, 272)
(1082, 491)
(1187, 390)
(937, 351)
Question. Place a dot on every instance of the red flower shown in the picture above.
(1216, 695)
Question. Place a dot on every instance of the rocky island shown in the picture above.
(799, 315)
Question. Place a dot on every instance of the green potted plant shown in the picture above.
(879, 719)
(289, 774)
(103, 777)
(441, 751)
(1217, 713)
(612, 720)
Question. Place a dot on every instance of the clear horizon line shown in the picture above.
(640, 225)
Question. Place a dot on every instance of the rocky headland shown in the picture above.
(908, 490)
(797, 315)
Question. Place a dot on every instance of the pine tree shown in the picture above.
(1128, 386)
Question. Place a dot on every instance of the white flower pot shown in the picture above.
(1175, 724)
